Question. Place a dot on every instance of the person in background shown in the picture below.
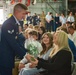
(29, 18)
(9, 47)
(71, 18)
(30, 26)
(36, 27)
(52, 21)
(47, 44)
(25, 26)
(57, 21)
(41, 31)
(68, 24)
(74, 25)
(63, 19)
(75, 17)
(34, 17)
(72, 34)
(38, 20)
(42, 17)
(48, 20)
(26, 32)
(60, 58)
(41, 24)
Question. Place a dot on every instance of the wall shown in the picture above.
(39, 7)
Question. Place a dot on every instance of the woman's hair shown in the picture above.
(43, 29)
(30, 26)
(62, 42)
(50, 42)
(36, 27)
(62, 39)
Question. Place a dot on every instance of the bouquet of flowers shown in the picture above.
(32, 48)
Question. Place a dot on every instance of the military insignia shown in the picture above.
(10, 32)
(15, 37)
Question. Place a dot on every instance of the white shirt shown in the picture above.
(16, 20)
(48, 17)
(70, 19)
(46, 55)
(63, 20)
(73, 37)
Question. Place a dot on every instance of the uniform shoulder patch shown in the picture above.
(11, 31)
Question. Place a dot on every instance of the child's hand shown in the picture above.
(28, 57)
(21, 65)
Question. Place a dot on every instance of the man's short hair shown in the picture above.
(20, 6)
(71, 27)
(67, 22)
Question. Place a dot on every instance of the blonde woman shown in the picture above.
(59, 62)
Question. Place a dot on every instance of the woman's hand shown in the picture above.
(34, 63)
(21, 65)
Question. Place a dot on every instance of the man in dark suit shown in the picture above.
(34, 18)
(9, 47)
(29, 19)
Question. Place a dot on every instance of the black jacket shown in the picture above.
(59, 64)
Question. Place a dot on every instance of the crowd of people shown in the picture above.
(45, 45)
(50, 21)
